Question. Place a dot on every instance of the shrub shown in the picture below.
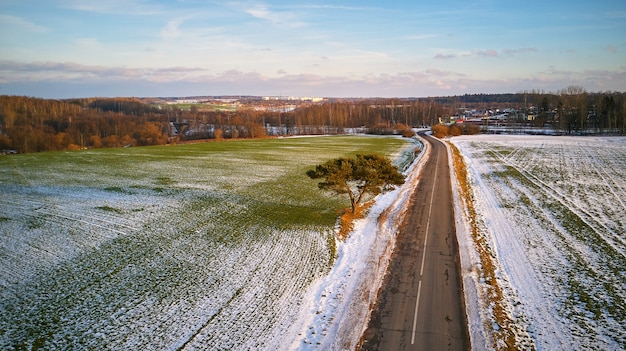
(439, 130)
(442, 130)
(471, 129)
(455, 130)
(405, 130)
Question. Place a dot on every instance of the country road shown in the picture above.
(420, 306)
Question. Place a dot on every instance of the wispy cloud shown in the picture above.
(519, 51)
(88, 44)
(121, 7)
(172, 29)
(421, 36)
(445, 56)
(85, 80)
(488, 53)
(441, 73)
(18, 23)
(341, 7)
(13, 71)
(287, 19)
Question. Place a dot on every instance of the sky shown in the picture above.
(413, 48)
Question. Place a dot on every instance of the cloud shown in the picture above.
(519, 51)
(120, 7)
(70, 79)
(421, 36)
(262, 12)
(13, 71)
(440, 73)
(286, 19)
(88, 44)
(173, 81)
(171, 29)
(368, 54)
(342, 7)
(488, 53)
(18, 23)
(612, 49)
(445, 56)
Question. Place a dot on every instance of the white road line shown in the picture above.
(419, 290)
(419, 287)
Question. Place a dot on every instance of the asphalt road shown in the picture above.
(420, 306)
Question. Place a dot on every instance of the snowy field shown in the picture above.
(210, 246)
(554, 212)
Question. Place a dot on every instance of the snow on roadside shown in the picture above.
(470, 263)
(337, 311)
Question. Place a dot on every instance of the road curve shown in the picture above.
(420, 305)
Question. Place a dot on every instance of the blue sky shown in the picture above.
(80, 48)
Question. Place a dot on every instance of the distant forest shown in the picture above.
(32, 125)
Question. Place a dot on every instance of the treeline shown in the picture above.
(31, 124)
(575, 111)
(476, 99)
(374, 113)
(379, 116)
(568, 111)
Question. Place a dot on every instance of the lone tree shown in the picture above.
(373, 174)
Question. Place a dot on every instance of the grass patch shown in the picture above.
(117, 189)
(110, 209)
(165, 181)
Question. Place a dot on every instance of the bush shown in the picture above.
(408, 133)
(439, 130)
(455, 130)
(471, 129)
(442, 130)
(405, 130)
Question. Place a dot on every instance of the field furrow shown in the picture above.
(560, 198)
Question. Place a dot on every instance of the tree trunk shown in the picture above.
(353, 200)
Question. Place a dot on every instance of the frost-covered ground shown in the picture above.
(145, 265)
(554, 212)
(139, 257)
(213, 246)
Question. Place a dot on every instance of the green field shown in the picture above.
(201, 107)
(166, 247)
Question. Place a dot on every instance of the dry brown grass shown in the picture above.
(504, 337)
(346, 220)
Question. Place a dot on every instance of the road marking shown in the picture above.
(417, 305)
(419, 286)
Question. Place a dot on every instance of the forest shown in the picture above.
(29, 124)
